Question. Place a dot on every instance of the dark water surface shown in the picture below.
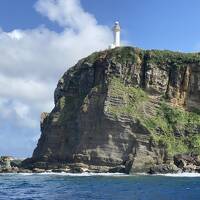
(138, 187)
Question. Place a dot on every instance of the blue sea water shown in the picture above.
(98, 187)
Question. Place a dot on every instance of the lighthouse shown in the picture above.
(116, 33)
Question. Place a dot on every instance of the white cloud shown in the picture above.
(25, 89)
(23, 113)
(16, 34)
(5, 112)
(32, 60)
(66, 13)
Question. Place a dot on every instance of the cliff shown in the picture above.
(124, 109)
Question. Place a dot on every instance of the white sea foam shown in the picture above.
(184, 174)
(105, 174)
(83, 174)
(67, 174)
(14, 174)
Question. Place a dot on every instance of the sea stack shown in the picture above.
(123, 110)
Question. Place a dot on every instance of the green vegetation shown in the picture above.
(170, 58)
(135, 55)
(69, 106)
(172, 128)
(194, 143)
(169, 119)
(130, 97)
(130, 54)
(126, 54)
(175, 59)
(173, 145)
(181, 144)
(92, 58)
(175, 129)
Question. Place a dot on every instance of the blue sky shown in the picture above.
(41, 39)
(168, 24)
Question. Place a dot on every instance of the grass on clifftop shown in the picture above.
(125, 54)
(134, 55)
(173, 57)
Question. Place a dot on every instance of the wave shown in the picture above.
(184, 174)
(84, 174)
(68, 174)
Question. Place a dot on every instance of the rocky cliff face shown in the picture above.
(124, 108)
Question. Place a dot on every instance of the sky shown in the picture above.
(41, 39)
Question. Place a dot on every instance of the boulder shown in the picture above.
(190, 168)
(187, 162)
(117, 169)
(60, 170)
(164, 169)
(183, 159)
(21, 170)
(37, 170)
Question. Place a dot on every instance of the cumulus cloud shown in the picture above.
(32, 60)
(72, 16)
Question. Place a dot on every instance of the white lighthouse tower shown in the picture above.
(116, 32)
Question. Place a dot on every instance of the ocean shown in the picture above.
(99, 187)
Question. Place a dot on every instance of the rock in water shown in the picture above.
(164, 169)
(123, 107)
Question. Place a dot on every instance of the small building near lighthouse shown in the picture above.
(116, 34)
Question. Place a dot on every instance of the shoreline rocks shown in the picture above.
(122, 110)
(180, 163)
(164, 169)
(118, 110)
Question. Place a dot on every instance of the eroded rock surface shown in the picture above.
(121, 109)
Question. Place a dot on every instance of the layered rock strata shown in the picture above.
(124, 109)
